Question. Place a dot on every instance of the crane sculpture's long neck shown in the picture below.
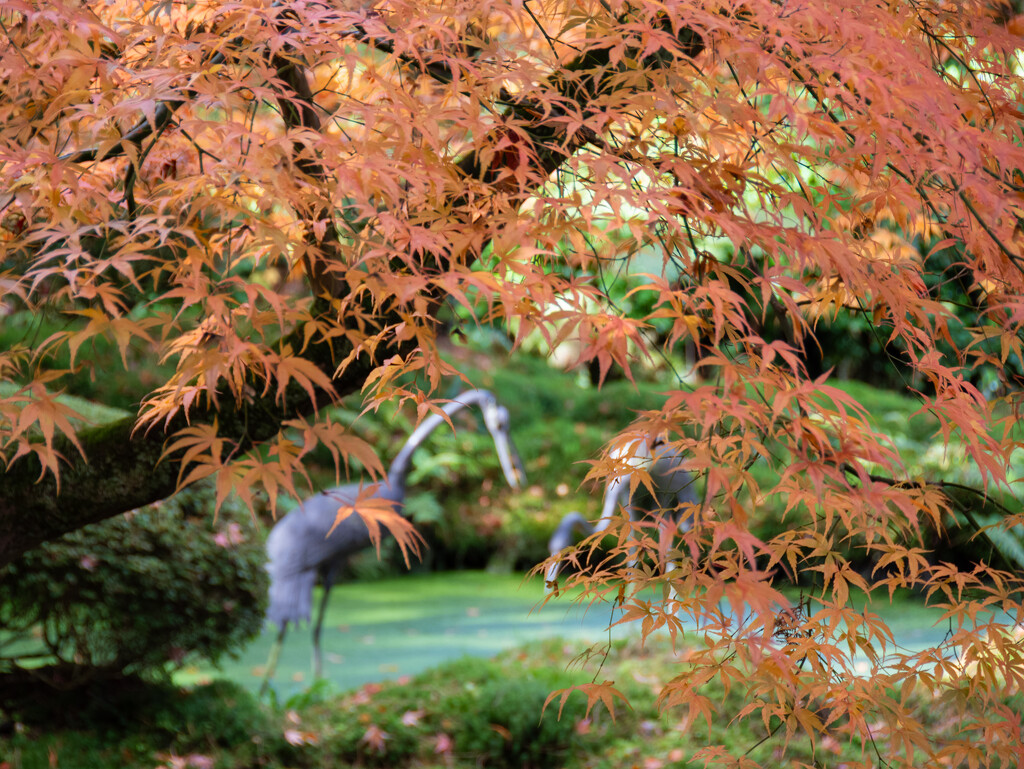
(402, 464)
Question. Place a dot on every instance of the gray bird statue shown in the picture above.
(675, 494)
(302, 546)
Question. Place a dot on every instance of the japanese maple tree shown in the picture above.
(276, 200)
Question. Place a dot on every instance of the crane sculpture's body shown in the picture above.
(675, 497)
(306, 544)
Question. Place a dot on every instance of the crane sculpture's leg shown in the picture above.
(666, 537)
(275, 653)
(327, 577)
(318, 657)
(686, 510)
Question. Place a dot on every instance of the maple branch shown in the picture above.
(121, 468)
(580, 82)
(946, 486)
(124, 468)
(794, 69)
(440, 72)
(142, 130)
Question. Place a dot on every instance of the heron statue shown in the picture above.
(675, 494)
(306, 544)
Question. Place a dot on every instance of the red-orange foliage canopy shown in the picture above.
(276, 197)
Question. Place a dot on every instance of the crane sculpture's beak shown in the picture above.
(496, 419)
(511, 464)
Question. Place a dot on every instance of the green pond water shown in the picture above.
(386, 629)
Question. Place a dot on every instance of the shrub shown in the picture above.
(508, 726)
(218, 714)
(488, 712)
(160, 585)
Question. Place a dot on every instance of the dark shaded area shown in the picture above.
(116, 720)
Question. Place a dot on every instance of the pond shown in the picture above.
(389, 628)
(396, 627)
